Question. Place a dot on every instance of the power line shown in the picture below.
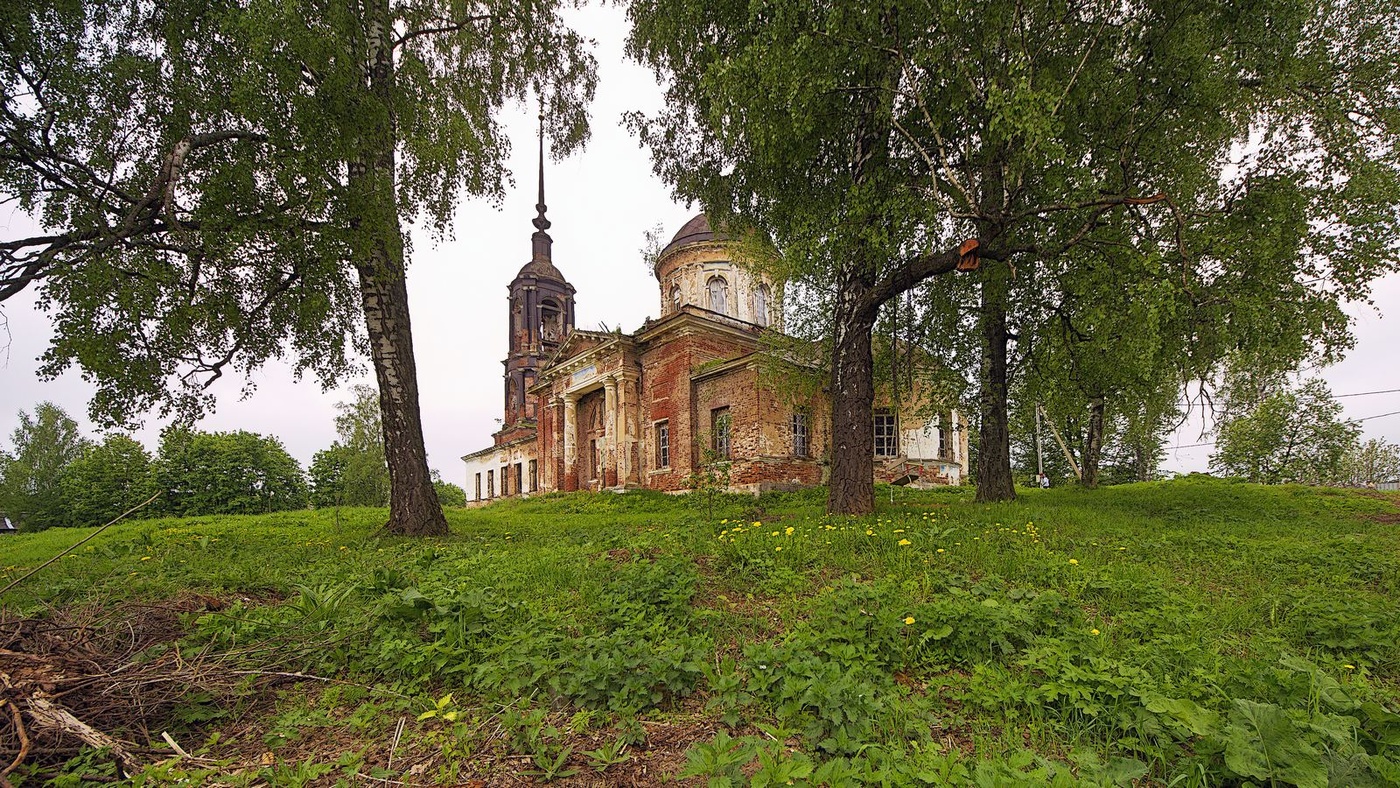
(1194, 403)
(1366, 393)
(1212, 443)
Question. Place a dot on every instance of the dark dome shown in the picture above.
(541, 269)
(695, 231)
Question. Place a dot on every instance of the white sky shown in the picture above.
(601, 202)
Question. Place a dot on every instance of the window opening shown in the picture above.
(886, 442)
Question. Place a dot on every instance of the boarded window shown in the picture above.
(719, 294)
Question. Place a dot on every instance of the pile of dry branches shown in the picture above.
(98, 678)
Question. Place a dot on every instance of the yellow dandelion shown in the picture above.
(909, 619)
(775, 533)
(1093, 632)
(899, 530)
(778, 549)
(1074, 561)
(869, 532)
(788, 530)
(904, 542)
(757, 523)
(145, 558)
(940, 549)
(1349, 667)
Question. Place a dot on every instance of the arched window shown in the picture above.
(675, 298)
(760, 305)
(551, 321)
(719, 294)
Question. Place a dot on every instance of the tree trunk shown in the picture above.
(852, 485)
(994, 481)
(1093, 444)
(413, 504)
(1140, 461)
(378, 249)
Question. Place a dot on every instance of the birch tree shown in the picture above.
(1250, 151)
(219, 183)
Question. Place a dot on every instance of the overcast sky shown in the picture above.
(601, 203)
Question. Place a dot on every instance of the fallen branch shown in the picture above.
(80, 543)
(23, 743)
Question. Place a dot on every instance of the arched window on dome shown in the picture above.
(760, 305)
(675, 298)
(719, 294)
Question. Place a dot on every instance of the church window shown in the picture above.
(760, 305)
(676, 297)
(801, 435)
(720, 424)
(719, 294)
(551, 321)
(490, 484)
(505, 480)
(886, 439)
(663, 444)
(534, 476)
(945, 449)
(478, 486)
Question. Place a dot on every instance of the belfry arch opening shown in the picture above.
(551, 321)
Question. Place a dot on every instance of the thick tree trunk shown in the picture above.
(852, 486)
(994, 482)
(1093, 444)
(413, 504)
(378, 248)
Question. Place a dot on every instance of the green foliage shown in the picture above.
(226, 473)
(1289, 435)
(448, 493)
(868, 143)
(1370, 463)
(1192, 633)
(353, 472)
(106, 480)
(272, 168)
(41, 450)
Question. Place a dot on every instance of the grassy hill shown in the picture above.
(1185, 633)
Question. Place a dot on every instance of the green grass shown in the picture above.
(1189, 633)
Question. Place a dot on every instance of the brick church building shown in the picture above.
(586, 410)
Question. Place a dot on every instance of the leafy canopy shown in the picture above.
(190, 164)
(41, 449)
(1290, 435)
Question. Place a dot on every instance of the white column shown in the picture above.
(610, 427)
(570, 440)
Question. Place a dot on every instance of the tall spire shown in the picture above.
(541, 242)
(541, 223)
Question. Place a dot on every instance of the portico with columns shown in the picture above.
(588, 437)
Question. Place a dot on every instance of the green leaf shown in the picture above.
(1263, 743)
(1200, 721)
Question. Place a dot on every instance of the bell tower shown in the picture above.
(541, 317)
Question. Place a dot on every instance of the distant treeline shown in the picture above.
(51, 475)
